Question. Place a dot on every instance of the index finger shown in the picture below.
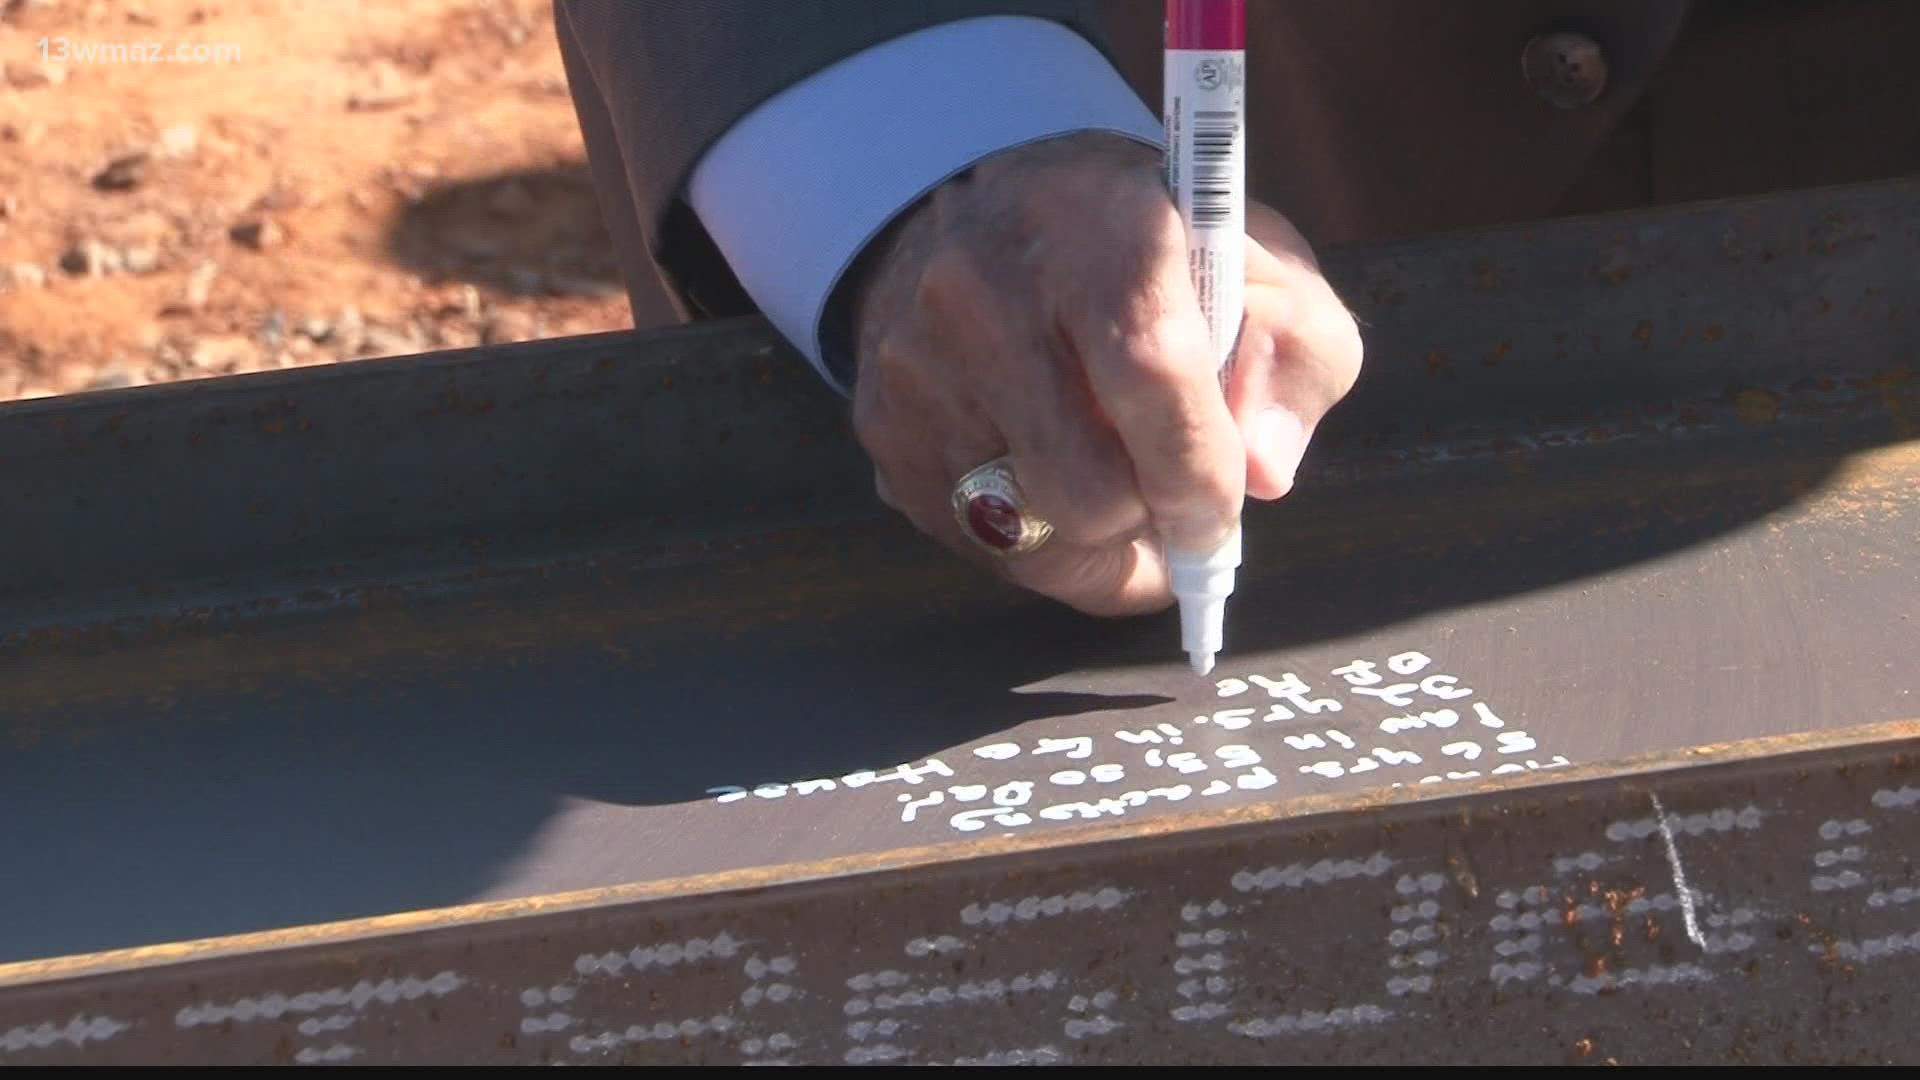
(1144, 344)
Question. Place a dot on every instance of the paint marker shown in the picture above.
(1205, 99)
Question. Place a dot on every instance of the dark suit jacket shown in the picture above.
(1369, 118)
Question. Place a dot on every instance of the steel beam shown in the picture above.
(576, 701)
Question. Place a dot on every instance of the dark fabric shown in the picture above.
(1371, 119)
(1381, 118)
(671, 76)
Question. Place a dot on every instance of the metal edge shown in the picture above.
(438, 416)
(1778, 750)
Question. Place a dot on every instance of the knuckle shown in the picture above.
(1328, 342)
(950, 288)
(1183, 440)
(1141, 313)
(1215, 495)
(1150, 367)
(1053, 572)
(1160, 337)
(889, 387)
(868, 423)
(909, 495)
(1331, 345)
(1097, 509)
(1347, 350)
(1335, 331)
(875, 428)
(1090, 580)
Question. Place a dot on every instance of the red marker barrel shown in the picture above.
(1206, 24)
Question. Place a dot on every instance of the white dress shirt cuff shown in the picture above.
(796, 189)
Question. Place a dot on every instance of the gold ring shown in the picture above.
(992, 511)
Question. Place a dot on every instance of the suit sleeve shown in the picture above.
(779, 115)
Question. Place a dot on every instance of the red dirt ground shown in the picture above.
(310, 181)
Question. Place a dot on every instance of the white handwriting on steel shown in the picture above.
(890, 993)
(943, 944)
(1826, 859)
(1117, 805)
(660, 1031)
(767, 983)
(78, 1031)
(1006, 798)
(1163, 733)
(315, 1025)
(1835, 866)
(1652, 975)
(1319, 873)
(553, 1021)
(1721, 820)
(1231, 719)
(1834, 829)
(536, 997)
(766, 986)
(1896, 798)
(1196, 912)
(334, 1054)
(1438, 718)
(884, 980)
(357, 996)
(1310, 1022)
(970, 991)
(1033, 907)
(1408, 663)
(1588, 861)
(1735, 941)
(1097, 1024)
(1292, 690)
(1416, 925)
(1426, 910)
(1688, 917)
(1203, 987)
(1519, 917)
(1013, 803)
(722, 945)
(1039, 1055)
(777, 1043)
(758, 970)
(906, 773)
(862, 1030)
(1872, 948)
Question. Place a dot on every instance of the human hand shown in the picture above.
(1041, 308)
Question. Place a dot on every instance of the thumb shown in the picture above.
(1299, 354)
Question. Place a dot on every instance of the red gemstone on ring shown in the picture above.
(995, 520)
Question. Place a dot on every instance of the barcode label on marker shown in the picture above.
(1215, 137)
(1206, 172)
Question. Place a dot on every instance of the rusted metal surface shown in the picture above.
(1759, 910)
(609, 613)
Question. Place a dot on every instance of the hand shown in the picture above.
(1042, 308)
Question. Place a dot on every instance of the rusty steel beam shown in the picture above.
(511, 704)
(1711, 907)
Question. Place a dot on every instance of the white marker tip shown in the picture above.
(1201, 583)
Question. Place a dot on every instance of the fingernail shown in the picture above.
(1281, 441)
